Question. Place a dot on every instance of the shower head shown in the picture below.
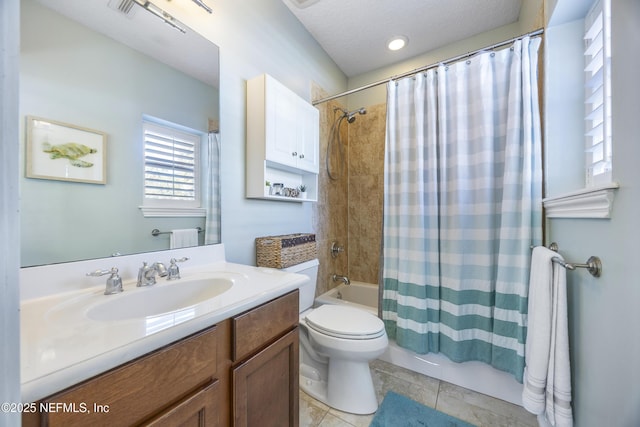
(351, 116)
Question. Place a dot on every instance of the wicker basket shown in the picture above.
(285, 251)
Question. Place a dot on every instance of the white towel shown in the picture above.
(183, 238)
(547, 374)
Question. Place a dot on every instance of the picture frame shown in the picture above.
(65, 152)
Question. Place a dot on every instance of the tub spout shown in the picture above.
(343, 279)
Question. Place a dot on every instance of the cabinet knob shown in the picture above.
(295, 153)
(301, 156)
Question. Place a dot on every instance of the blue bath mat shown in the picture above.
(399, 411)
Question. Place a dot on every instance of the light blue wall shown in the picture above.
(604, 318)
(9, 218)
(74, 75)
(255, 37)
(564, 119)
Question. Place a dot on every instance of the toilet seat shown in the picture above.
(345, 322)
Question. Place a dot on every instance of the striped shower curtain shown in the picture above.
(462, 207)
(212, 190)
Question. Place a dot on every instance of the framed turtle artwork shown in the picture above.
(65, 152)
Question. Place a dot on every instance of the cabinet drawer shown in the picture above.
(262, 325)
(139, 389)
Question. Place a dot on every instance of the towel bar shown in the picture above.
(593, 264)
(156, 232)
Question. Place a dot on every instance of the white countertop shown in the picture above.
(61, 346)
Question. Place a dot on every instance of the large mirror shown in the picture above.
(92, 69)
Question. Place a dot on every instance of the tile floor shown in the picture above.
(475, 408)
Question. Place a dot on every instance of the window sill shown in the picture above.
(594, 202)
(168, 212)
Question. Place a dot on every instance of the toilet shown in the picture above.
(336, 345)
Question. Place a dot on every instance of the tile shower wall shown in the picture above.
(349, 209)
(365, 197)
(331, 211)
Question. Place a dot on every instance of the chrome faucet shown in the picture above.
(114, 282)
(147, 273)
(344, 279)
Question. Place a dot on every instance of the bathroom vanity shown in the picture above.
(233, 360)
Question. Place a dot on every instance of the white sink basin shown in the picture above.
(158, 299)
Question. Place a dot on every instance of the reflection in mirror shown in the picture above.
(77, 74)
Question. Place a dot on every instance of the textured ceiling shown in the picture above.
(355, 32)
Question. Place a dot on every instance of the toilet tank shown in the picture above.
(308, 290)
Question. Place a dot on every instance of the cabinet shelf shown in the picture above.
(285, 199)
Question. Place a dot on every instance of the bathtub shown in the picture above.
(357, 294)
(476, 376)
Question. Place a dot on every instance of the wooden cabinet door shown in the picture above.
(199, 410)
(265, 387)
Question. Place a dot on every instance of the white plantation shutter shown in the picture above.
(170, 166)
(598, 93)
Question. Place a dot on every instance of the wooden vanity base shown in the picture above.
(241, 372)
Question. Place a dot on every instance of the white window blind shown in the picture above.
(598, 94)
(170, 166)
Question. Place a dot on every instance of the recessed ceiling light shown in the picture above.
(397, 43)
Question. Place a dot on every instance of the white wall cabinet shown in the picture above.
(282, 140)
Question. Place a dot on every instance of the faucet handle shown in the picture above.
(99, 273)
(174, 271)
(336, 249)
(141, 271)
(114, 282)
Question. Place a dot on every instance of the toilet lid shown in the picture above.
(345, 322)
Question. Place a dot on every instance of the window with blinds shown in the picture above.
(171, 159)
(598, 94)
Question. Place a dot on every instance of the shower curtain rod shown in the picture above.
(427, 67)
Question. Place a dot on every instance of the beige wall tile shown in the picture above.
(330, 212)
(366, 186)
(349, 210)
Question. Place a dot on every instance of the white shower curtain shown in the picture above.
(462, 206)
(212, 190)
